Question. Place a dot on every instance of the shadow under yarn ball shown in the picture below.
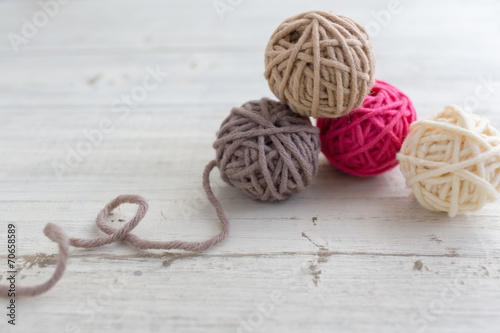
(266, 150)
(320, 63)
(365, 142)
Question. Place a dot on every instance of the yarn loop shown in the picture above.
(57, 235)
(320, 63)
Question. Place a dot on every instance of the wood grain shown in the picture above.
(346, 255)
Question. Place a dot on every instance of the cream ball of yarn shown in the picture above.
(452, 161)
(320, 63)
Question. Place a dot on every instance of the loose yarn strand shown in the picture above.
(54, 233)
(57, 235)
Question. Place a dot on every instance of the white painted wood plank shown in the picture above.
(319, 292)
(364, 225)
(197, 26)
(229, 79)
(347, 254)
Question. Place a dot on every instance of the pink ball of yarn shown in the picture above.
(365, 142)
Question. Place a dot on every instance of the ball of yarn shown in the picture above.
(320, 63)
(266, 150)
(366, 141)
(452, 161)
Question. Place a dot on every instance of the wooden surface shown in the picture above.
(346, 255)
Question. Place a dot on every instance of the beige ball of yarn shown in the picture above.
(452, 161)
(320, 63)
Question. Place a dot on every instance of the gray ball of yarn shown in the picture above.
(266, 150)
